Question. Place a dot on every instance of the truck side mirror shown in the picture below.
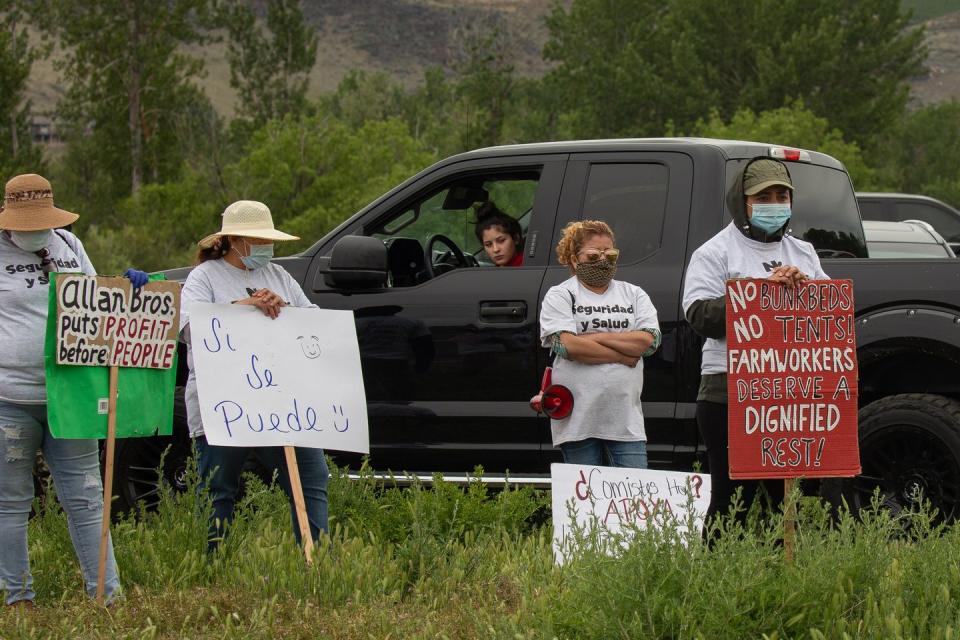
(356, 262)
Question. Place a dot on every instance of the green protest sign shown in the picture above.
(77, 396)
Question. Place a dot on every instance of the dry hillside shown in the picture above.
(405, 37)
(942, 81)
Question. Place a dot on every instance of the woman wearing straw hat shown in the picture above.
(32, 245)
(234, 266)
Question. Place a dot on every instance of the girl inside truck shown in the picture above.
(599, 330)
(500, 235)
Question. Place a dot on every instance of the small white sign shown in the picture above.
(294, 380)
(607, 502)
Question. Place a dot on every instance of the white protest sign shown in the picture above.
(103, 321)
(607, 502)
(294, 380)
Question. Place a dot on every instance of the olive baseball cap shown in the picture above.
(764, 173)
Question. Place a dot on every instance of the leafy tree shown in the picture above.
(622, 69)
(473, 104)
(126, 78)
(271, 72)
(793, 126)
(629, 67)
(313, 172)
(920, 155)
(485, 81)
(17, 152)
(363, 96)
(158, 228)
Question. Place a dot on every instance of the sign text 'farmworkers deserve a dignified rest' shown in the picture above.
(792, 379)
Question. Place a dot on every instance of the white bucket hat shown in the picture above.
(247, 218)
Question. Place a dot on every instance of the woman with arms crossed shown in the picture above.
(599, 330)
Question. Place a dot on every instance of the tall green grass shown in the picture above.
(453, 562)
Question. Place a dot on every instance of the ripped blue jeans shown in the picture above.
(75, 466)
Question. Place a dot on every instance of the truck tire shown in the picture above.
(137, 477)
(909, 450)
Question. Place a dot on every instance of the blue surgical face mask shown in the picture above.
(770, 218)
(31, 241)
(258, 257)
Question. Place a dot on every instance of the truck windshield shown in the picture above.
(824, 209)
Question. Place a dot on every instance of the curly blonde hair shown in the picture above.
(575, 234)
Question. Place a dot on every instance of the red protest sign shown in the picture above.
(792, 379)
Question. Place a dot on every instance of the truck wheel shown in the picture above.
(136, 474)
(910, 451)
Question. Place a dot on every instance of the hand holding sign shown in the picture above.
(265, 300)
(788, 275)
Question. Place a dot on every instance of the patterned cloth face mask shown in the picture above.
(596, 274)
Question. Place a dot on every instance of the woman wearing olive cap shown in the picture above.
(757, 244)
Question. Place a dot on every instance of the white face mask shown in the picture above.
(32, 241)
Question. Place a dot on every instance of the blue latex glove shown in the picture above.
(137, 278)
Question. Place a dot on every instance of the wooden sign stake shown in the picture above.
(789, 520)
(297, 490)
(108, 483)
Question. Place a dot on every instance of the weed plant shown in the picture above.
(465, 562)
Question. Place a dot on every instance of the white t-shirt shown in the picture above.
(606, 397)
(220, 282)
(24, 300)
(730, 254)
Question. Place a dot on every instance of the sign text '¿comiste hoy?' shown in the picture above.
(104, 321)
(792, 379)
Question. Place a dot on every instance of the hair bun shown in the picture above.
(486, 210)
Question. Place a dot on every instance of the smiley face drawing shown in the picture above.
(310, 345)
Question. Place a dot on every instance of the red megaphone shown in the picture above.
(555, 400)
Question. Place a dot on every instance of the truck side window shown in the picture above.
(436, 232)
(631, 198)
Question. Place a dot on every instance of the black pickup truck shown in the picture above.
(449, 343)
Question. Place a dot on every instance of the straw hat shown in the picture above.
(28, 205)
(246, 218)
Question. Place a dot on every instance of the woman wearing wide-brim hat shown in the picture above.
(33, 244)
(235, 268)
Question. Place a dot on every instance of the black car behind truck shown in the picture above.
(449, 343)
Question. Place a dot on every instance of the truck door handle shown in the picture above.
(503, 311)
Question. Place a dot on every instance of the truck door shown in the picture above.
(449, 347)
(645, 198)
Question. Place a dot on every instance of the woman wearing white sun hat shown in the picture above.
(234, 266)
